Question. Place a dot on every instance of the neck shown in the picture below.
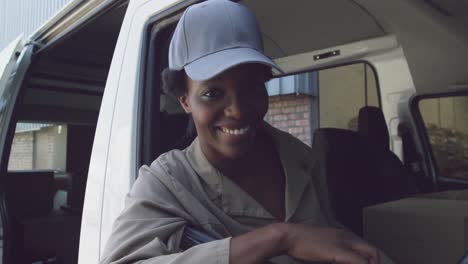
(232, 167)
(225, 164)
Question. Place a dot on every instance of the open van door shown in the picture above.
(14, 62)
(14, 59)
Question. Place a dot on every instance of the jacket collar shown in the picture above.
(297, 161)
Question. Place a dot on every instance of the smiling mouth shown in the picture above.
(237, 131)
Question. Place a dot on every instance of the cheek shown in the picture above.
(204, 114)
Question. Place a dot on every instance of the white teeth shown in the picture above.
(236, 132)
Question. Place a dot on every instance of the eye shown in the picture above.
(212, 94)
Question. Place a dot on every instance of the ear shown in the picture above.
(183, 100)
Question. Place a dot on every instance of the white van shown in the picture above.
(95, 68)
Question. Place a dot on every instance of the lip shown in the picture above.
(235, 131)
(232, 126)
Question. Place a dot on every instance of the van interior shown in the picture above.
(66, 82)
(63, 92)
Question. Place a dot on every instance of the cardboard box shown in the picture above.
(426, 229)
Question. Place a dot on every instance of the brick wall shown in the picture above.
(21, 155)
(40, 149)
(291, 113)
(45, 147)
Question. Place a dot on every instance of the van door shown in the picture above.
(14, 63)
(114, 159)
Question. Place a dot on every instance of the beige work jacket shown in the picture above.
(182, 188)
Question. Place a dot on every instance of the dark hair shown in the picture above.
(173, 82)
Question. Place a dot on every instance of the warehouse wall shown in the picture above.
(25, 16)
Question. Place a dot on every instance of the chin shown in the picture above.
(236, 152)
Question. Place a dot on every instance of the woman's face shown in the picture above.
(228, 109)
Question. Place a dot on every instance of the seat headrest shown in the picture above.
(332, 139)
(373, 127)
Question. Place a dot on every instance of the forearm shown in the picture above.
(258, 246)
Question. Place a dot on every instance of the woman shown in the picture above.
(252, 187)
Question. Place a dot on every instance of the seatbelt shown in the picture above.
(192, 237)
(411, 158)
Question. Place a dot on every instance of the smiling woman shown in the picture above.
(228, 110)
(253, 188)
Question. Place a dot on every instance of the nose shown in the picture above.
(237, 107)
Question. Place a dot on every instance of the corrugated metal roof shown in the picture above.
(25, 16)
(26, 127)
(302, 83)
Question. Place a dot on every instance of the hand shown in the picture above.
(323, 244)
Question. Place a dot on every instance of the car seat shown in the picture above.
(359, 167)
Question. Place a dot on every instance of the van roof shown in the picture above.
(432, 33)
(73, 15)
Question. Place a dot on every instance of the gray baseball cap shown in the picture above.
(214, 36)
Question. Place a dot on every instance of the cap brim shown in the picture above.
(213, 64)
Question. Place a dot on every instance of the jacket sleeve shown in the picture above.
(150, 228)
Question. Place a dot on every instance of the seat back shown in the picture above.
(29, 193)
(392, 173)
(343, 162)
(360, 168)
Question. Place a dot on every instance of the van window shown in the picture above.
(39, 146)
(293, 104)
(445, 122)
(343, 91)
(303, 102)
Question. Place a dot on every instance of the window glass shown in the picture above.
(293, 104)
(39, 146)
(303, 102)
(343, 91)
(447, 129)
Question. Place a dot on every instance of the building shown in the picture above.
(25, 16)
